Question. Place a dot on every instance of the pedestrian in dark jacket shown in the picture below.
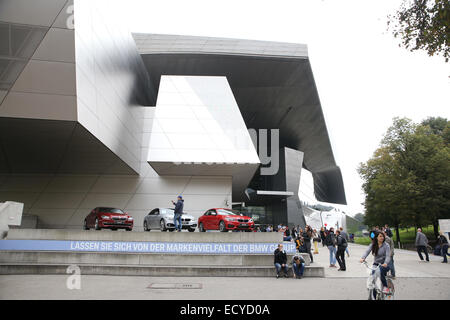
(340, 254)
(443, 243)
(330, 242)
(307, 234)
(280, 260)
(322, 236)
(345, 235)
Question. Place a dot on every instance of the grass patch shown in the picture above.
(407, 236)
(363, 240)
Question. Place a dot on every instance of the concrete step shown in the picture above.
(152, 236)
(154, 259)
(153, 271)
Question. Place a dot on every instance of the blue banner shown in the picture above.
(143, 247)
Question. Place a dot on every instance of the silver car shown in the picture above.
(162, 219)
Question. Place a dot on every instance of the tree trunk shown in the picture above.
(397, 232)
(435, 228)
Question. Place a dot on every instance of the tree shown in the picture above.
(359, 216)
(407, 181)
(423, 24)
(433, 138)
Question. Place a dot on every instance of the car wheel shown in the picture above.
(97, 227)
(128, 229)
(171, 230)
(85, 227)
(222, 227)
(191, 229)
(201, 228)
(146, 228)
(163, 225)
(113, 229)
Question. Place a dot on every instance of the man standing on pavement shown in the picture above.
(390, 242)
(178, 212)
(421, 244)
(341, 245)
(330, 242)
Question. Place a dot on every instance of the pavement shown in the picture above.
(415, 280)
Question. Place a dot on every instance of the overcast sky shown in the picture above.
(364, 79)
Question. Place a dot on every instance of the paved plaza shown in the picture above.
(415, 280)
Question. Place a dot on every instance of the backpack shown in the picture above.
(344, 243)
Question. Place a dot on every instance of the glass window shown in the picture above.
(110, 210)
(224, 212)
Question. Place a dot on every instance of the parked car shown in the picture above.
(162, 219)
(108, 218)
(224, 219)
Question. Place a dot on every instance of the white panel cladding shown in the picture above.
(111, 79)
(198, 120)
(166, 43)
(63, 201)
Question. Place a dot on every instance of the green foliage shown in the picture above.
(407, 181)
(423, 24)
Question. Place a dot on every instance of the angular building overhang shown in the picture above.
(273, 85)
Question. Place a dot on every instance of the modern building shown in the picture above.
(93, 115)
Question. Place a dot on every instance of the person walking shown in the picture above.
(421, 244)
(341, 245)
(330, 242)
(280, 260)
(443, 243)
(390, 242)
(316, 241)
(179, 205)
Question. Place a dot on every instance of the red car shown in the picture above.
(223, 220)
(108, 218)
